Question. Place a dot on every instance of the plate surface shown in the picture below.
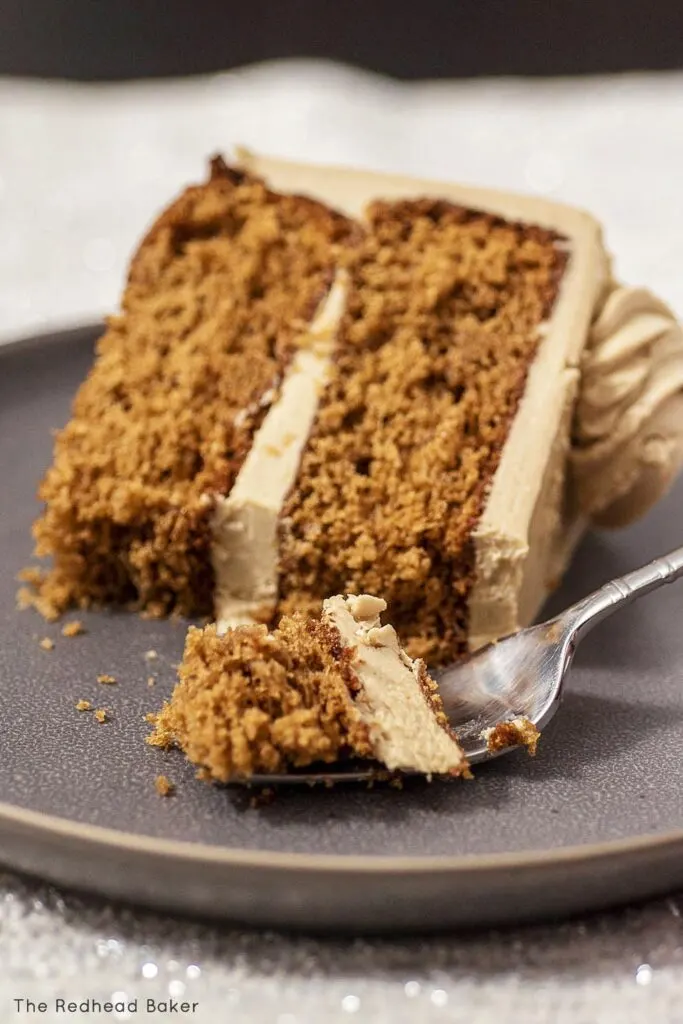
(595, 818)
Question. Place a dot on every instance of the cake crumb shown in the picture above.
(24, 599)
(83, 705)
(74, 628)
(151, 681)
(107, 680)
(47, 644)
(263, 798)
(517, 732)
(31, 575)
(101, 716)
(164, 786)
(33, 595)
(151, 655)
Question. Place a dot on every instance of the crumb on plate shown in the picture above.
(164, 786)
(73, 628)
(47, 644)
(33, 595)
(263, 798)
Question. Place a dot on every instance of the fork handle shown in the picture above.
(582, 616)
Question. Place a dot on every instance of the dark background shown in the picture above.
(111, 39)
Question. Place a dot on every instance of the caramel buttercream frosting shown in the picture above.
(396, 699)
(628, 435)
(245, 524)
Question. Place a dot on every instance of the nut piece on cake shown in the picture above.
(314, 690)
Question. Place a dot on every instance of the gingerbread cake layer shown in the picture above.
(217, 294)
(443, 318)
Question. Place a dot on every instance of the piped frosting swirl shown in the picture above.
(628, 435)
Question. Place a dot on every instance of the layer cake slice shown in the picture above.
(388, 386)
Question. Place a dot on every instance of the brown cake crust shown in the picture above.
(253, 702)
(218, 291)
(440, 329)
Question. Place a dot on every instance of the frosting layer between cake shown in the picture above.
(245, 549)
(397, 701)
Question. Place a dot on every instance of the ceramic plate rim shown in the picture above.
(207, 853)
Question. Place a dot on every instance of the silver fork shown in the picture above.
(519, 677)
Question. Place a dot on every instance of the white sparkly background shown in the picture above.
(82, 169)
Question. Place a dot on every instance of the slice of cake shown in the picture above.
(314, 690)
(392, 386)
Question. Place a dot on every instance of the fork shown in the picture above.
(518, 678)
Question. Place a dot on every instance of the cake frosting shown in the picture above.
(628, 438)
(396, 697)
(245, 523)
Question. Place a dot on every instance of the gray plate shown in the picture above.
(596, 818)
